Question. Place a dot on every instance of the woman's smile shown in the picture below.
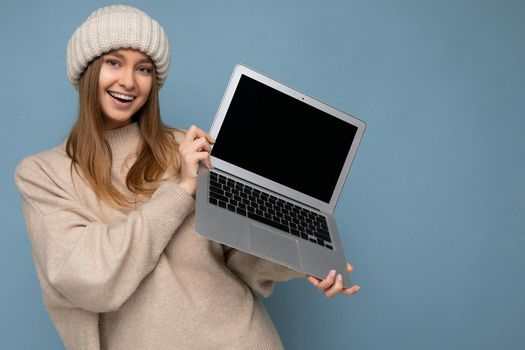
(121, 101)
(122, 97)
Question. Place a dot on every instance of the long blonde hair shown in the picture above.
(90, 153)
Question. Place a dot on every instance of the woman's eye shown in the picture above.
(146, 70)
(112, 62)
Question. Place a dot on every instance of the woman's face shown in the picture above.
(124, 85)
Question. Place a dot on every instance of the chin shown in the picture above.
(114, 123)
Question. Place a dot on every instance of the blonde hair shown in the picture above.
(90, 153)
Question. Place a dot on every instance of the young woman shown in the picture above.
(110, 212)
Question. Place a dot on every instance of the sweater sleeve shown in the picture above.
(94, 266)
(258, 273)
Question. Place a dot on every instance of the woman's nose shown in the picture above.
(127, 79)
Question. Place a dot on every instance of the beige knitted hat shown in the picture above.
(115, 27)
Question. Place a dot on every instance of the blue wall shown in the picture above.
(433, 212)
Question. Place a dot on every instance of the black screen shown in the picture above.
(283, 139)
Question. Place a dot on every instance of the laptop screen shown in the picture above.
(283, 139)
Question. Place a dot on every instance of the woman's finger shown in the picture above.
(198, 156)
(197, 145)
(351, 291)
(195, 132)
(203, 148)
(190, 166)
(187, 150)
(192, 133)
(202, 139)
(327, 282)
(336, 288)
(349, 267)
(313, 280)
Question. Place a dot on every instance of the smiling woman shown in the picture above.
(110, 213)
(111, 218)
(124, 85)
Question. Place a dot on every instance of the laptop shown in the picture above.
(279, 164)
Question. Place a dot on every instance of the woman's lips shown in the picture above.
(121, 103)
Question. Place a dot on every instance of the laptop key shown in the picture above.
(323, 231)
(218, 196)
(323, 237)
(216, 190)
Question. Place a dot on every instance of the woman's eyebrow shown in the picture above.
(119, 55)
(145, 60)
(115, 53)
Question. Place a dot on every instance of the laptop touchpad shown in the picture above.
(274, 245)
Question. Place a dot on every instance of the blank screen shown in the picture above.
(283, 139)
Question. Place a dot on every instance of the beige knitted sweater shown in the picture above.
(143, 278)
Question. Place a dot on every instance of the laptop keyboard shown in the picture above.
(263, 207)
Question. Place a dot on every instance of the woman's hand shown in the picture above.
(195, 147)
(328, 287)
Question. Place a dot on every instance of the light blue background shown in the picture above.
(433, 212)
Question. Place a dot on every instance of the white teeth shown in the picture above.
(124, 97)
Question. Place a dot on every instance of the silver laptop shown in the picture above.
(279, 163)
